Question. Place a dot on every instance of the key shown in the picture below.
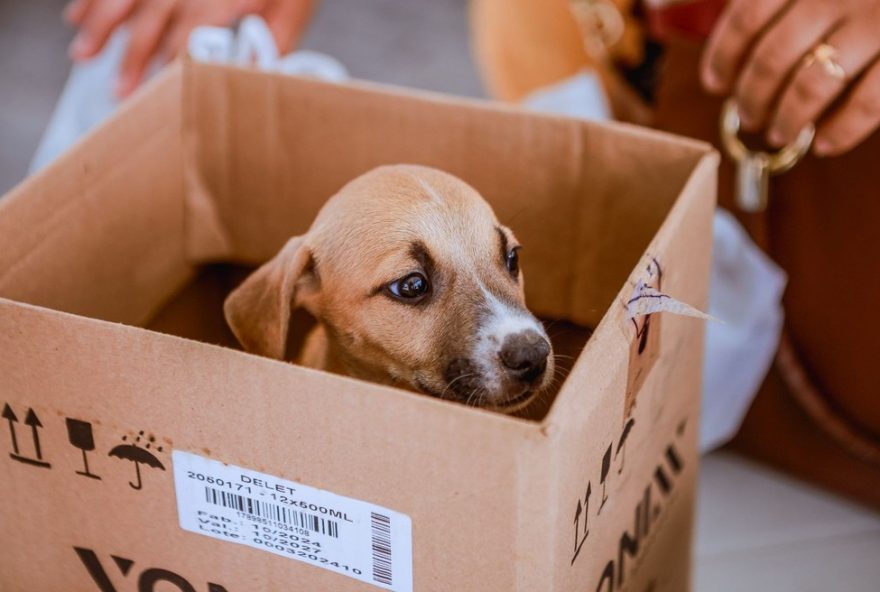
(754, 168)
(752, 181)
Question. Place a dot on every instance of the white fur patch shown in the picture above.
(503, 321)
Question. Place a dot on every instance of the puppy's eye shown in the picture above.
(512, 261)
(411, 288)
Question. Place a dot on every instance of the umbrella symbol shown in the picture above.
(139, 455)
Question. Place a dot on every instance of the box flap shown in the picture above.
(99, 232)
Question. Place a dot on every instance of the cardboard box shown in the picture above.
(215, 165)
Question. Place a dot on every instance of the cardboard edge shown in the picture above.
(528, 428)
(627, 129)
(707, 165)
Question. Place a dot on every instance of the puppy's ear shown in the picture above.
(258, 311)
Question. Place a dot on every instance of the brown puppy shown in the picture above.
(414, 283)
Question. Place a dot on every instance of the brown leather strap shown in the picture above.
(802, 388)
(818, 408)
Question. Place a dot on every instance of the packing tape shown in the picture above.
(648, 300)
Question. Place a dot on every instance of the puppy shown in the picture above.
(414, 283)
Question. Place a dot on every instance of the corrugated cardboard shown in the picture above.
(215, 165)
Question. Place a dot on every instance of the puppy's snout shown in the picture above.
(524, 355)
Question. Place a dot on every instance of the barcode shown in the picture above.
(262, 509)
(381, 526)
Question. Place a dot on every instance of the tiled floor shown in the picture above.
(758, 530)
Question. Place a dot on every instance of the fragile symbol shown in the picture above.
(139, 456)
(33, 421)
(79, 433)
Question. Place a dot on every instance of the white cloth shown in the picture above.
(745, 291)
(579, 96)
(86, 100)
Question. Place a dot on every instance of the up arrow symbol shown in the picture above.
(33, 421)
(9, 415)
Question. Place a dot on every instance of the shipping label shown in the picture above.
(348, 536)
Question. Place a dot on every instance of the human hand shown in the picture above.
(789, 63)
(160, 28)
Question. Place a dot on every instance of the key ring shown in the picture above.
(774, 162)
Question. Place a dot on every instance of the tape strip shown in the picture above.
(648, 300)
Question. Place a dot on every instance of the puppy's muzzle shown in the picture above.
(510, 375)
(524, 356)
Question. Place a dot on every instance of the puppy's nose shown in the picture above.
(524, 355)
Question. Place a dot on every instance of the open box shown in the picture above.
(218, 165)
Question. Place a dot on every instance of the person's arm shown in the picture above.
(789, 63)
(160, 28)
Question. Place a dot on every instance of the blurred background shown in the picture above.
(417, 43)
(758, 529)
(34, 66)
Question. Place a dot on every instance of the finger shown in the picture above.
(779, 51)
(97, 25)
(287, 20)
(813, 89)
(148, 26)
(854, 120)
(243, 7)
(733, 35)
(76, 10)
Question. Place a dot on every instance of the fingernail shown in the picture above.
(80, 47)
(822, 147)
(711, 80)
(776, 138)
(746, 120)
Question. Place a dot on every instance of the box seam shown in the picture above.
(201, 219)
